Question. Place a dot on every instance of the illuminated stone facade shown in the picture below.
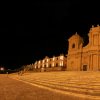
(51, 64)
(86, 58)
(79, 57)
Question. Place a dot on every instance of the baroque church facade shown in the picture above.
(85, 58)
(79, 57)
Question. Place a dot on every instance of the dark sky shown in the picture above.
(29, 31)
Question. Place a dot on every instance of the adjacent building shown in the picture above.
(51, 64)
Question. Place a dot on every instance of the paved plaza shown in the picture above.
(77, 84)
(12, 89)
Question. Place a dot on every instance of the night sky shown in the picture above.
(29, 31)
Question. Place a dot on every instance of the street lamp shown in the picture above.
(2, 68)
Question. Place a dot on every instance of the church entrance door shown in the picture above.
(84, 67)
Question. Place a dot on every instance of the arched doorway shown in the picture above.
(84, 67)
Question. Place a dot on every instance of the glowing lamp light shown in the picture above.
(1, 68)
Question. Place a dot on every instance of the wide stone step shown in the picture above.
(74, 88)
(63, 81)
(64, 78)
(74, 84)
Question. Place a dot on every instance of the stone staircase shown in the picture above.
(87, 83)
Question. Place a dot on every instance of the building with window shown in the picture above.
(51, 64)
(85, 58)
(79, 57)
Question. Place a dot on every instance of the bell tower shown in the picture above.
(75, 43)
(74, 52)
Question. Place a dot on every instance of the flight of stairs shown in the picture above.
(87, 83)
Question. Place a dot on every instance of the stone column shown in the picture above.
(91, 63)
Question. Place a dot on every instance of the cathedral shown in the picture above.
(84, 58)
(79, 57)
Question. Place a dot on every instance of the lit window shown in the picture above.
(47, 64)
(39, 62)
(53, 58)
(35, 66)
(61, 57)
(43, 61)
(47, 60)
(61, 63)
(53, 64)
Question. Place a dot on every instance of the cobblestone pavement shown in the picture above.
(11, 89)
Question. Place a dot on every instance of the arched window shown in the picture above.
(73, 45)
